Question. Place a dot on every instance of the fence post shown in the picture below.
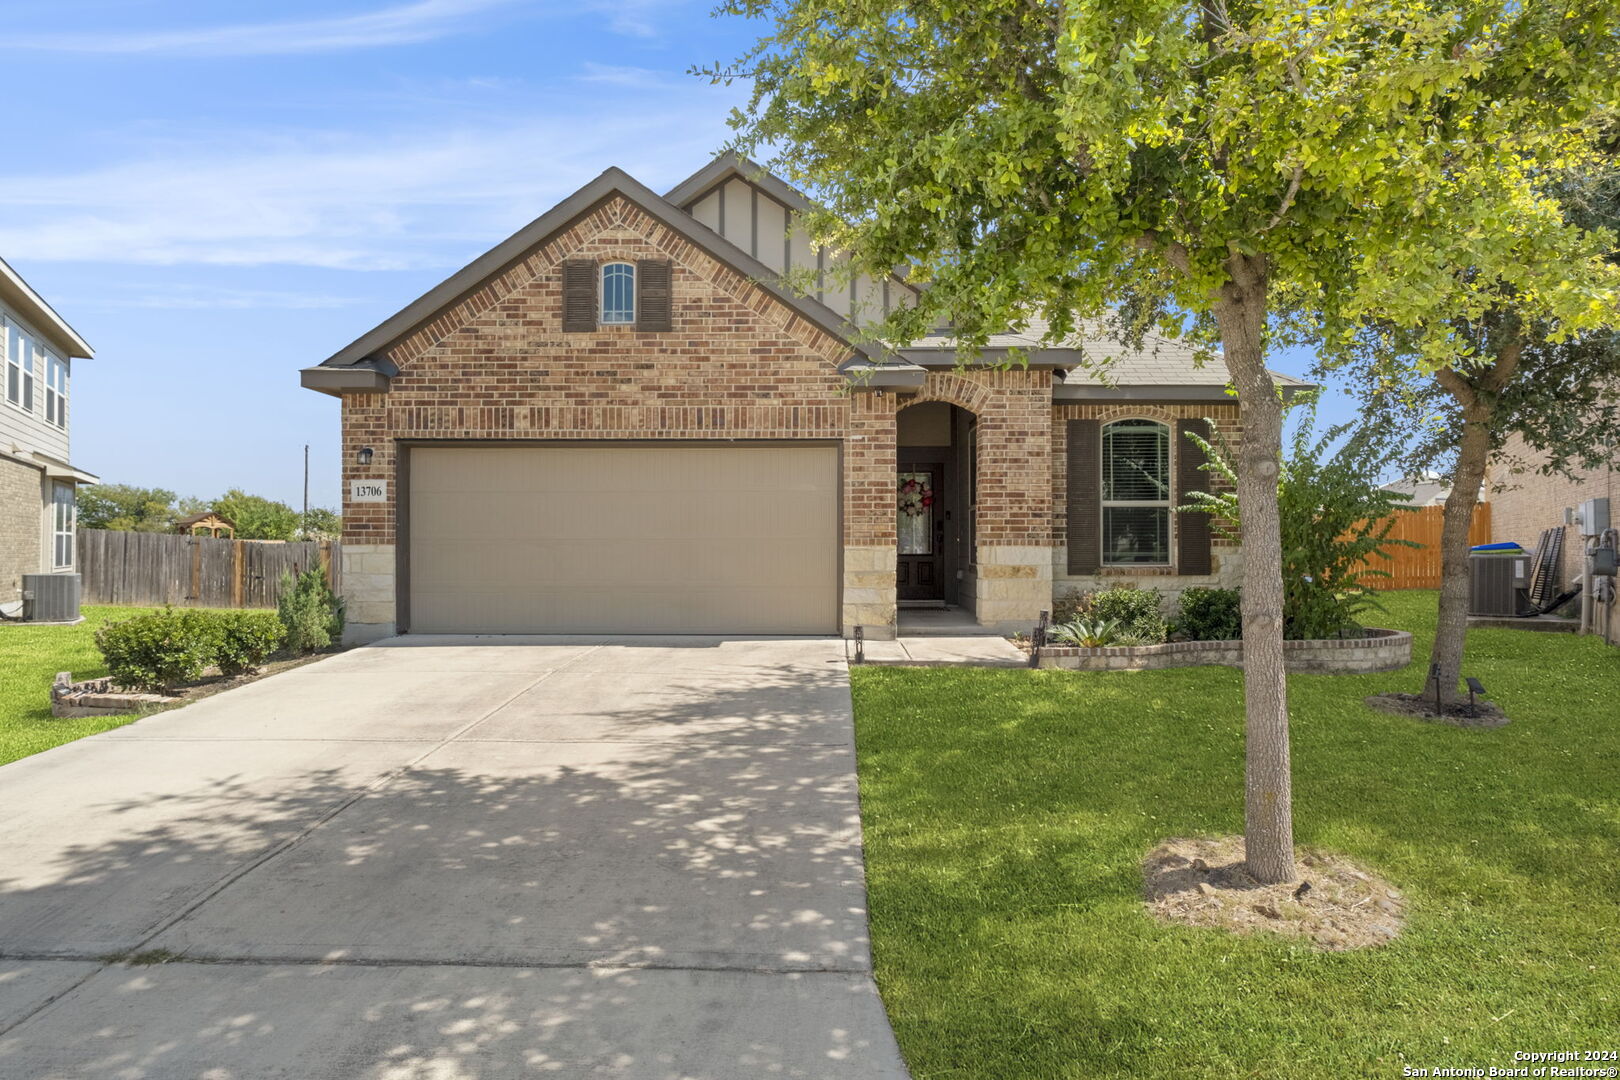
(196, 571)
(236, 573)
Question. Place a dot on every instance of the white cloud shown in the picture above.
(404, 24)
(211, 298)
(633, 78)
(422, 199)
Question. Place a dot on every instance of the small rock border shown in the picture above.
(103, 697)
(1336, 905)
(98, 697)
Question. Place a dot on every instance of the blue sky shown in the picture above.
(217, 194)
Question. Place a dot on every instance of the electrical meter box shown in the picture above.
(1593, 516)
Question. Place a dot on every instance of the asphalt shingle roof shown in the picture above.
(1159, 361)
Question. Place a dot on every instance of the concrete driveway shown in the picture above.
(454, 857)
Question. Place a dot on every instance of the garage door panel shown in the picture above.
(624, 540)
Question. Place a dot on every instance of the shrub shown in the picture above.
(1138, 612)
(1210, 614)
(1087, 633)
(161, 650)
(311, 613)
(1135, 612)
(247, 638)
(1336, 521)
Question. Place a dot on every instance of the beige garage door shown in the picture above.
(666, 540)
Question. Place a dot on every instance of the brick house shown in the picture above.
(37, 482)
(1524, 503)
(620, 419)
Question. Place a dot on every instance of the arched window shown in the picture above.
(1135, 492)
(618, 293)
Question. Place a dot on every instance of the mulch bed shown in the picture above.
(1483, 714)
(1335, 905)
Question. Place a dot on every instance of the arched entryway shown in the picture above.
(936, 463)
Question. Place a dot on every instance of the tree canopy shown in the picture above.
(1206, 166)
(1022, 157)
(127, 508)
(256, 517)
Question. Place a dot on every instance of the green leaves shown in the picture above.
(1336, 521)
(1362, 150)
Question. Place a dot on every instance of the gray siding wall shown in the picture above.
(28, 431)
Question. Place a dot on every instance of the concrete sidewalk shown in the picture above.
(451, 858)
(979, 650)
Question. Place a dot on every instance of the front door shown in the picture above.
(921, 533)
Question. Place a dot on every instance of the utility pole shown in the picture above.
(303, 522)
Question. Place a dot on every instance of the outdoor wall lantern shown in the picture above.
(364, 456)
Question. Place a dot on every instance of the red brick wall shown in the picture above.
(1014, 411)
(738, 365)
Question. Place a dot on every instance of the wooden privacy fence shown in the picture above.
(138, 569)
(1419, 567)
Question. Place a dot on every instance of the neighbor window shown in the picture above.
(19, 366)
(64, 515)
(618, 293)
(1136, 492)
(56, 381)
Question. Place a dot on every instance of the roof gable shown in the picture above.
(369, 350)
(731, 165)
(20, 297)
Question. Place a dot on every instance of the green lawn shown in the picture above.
(30, 657)
(1006, 813)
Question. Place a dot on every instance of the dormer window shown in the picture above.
(618, 293)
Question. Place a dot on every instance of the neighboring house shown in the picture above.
(37, 481)
(1524, 503)
(620, 420)
(1426, 490)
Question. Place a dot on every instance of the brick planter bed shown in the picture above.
(1379, 650)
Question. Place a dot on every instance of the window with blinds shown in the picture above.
(1135, 492)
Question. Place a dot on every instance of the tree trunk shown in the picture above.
(1475, 392)
(1240, 312)
(1451, 623)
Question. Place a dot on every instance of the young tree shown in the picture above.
(257, 518)
(1521, 375)
(1032, 157)
(1336, 518)
(321, 524)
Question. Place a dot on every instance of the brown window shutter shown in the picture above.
(653, 311)
(579, 295)
(1193, 531)
(1084, 496)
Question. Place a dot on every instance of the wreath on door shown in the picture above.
(916, 497)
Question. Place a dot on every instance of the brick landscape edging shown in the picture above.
(1379, 650)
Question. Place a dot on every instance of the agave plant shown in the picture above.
(1087, 633)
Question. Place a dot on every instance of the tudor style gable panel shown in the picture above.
(760, 214)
